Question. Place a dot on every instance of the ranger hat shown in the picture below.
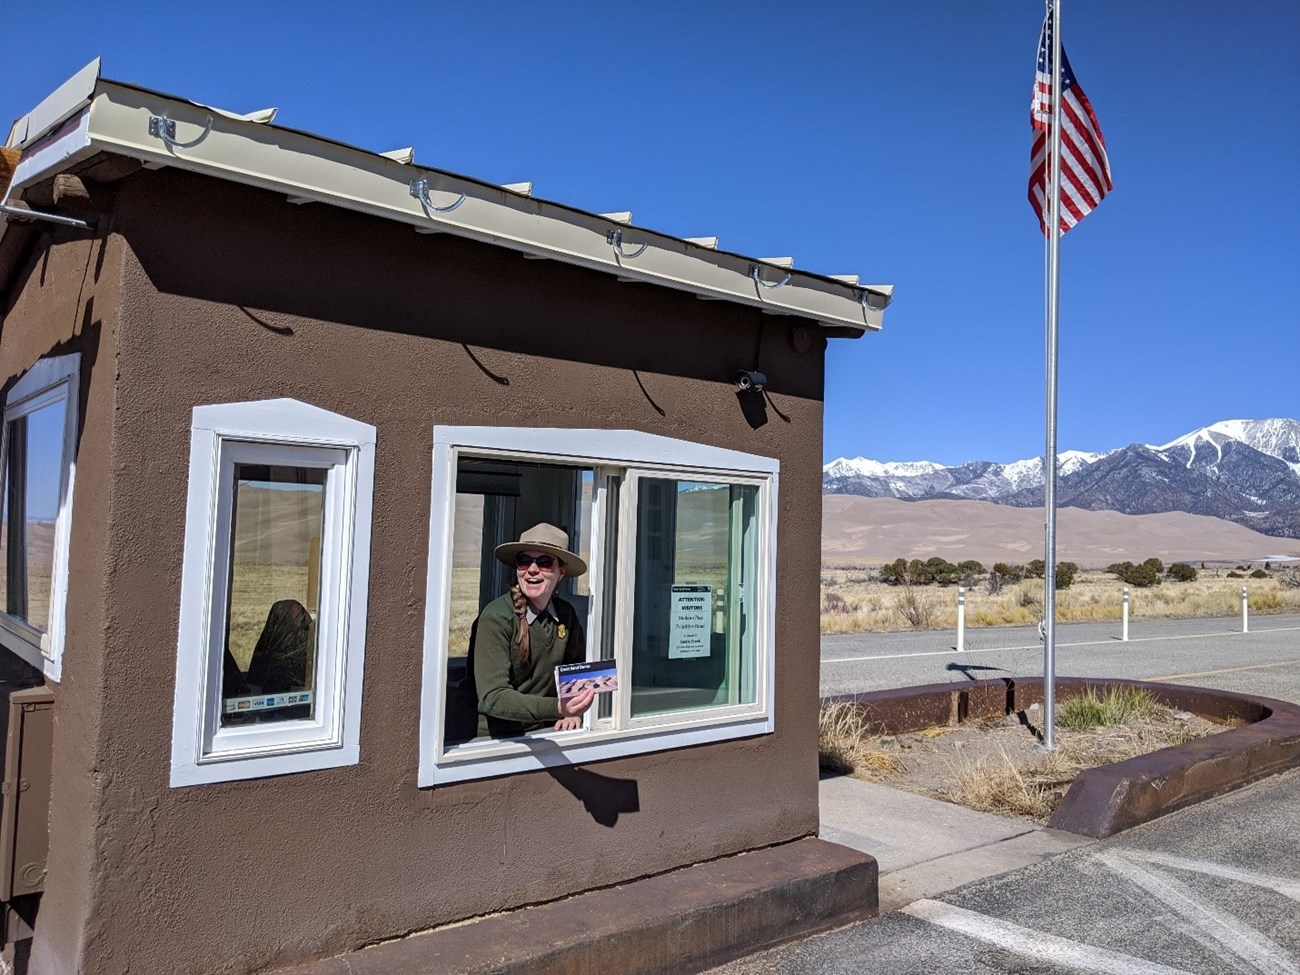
(543, 538)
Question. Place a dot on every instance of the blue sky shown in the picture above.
(884, 137)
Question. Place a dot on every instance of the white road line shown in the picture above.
(1202, 921)
(1224, 670)
(1038, 646)
(1286, 886)
(1035, 944)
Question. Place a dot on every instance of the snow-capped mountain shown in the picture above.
(1247, 471)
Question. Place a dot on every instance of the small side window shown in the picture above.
(37, 467)
(273, 592)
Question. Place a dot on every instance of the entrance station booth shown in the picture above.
(271, 403)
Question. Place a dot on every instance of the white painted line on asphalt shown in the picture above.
(1035, 944)
(1202, 921)
(1285, 886)
(1225, 670)
(1038, 646)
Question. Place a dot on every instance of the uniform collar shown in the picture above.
(549, 611)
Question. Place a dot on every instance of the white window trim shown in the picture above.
(595, 448)
(220, 435)
(49, 381)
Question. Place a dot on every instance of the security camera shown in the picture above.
(748, 379)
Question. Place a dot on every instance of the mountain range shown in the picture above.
(1244, 471)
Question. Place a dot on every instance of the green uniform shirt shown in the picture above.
(514, 698)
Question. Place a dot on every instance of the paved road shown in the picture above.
(1210, 890)
(1204, 653)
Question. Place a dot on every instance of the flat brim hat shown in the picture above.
(543, 538)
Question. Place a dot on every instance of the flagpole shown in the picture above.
(1049, 460)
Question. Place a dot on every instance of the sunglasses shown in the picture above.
(523, 560)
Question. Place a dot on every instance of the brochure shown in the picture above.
(599, 675)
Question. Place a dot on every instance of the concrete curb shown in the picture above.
(683, 921)
(1106, 800)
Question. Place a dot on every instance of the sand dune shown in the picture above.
(883, 529)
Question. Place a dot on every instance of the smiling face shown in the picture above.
(535, 582)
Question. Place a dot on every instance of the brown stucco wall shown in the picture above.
(65, 299)
(232, 294)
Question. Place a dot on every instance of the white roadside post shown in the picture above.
(1245, 622)
(961, 619)
(1124, 630)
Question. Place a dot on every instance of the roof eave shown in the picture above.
(89, 114)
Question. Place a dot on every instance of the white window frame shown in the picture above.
(50, 381)
(281, 431)
(630, 452)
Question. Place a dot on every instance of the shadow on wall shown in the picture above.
(603, 796)
(331, 265)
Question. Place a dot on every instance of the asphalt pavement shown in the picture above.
(1210, 889)
(1201, 652)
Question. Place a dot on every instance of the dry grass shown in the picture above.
(843, 745)
(994, 783)
(254, 588)
(39, 577)
(1017, 780)
(854, 601)
(464, 608)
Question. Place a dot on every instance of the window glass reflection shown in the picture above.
(693, 641)
(275, 568)
(33, 471)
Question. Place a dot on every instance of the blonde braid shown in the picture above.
(521, 611)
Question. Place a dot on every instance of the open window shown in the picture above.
(680, 543)
(273, 592)
(37, 467)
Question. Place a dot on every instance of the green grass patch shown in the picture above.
(1114, 706)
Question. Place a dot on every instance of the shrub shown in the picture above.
(940, 571)
(1157, 565)
(1120, 569)
(894, 573)
(969, 570)
(833, 602)
(1065, 572)
(1035, 569)
(1235, 575)
(1181, 572)
(916, 610)
(1259, 574)
(1143, 576)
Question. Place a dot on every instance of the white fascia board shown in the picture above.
(56, 151)
(301, 165)
(60, 105)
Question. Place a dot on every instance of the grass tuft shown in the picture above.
(1115, 706)
(994, 784)
(844, 746)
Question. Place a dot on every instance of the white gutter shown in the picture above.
(104, 116)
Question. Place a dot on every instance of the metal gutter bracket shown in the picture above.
(420, 190)
(756, 273)
(615, 240)
(161, 127)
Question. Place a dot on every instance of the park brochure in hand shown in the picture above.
(600, 675)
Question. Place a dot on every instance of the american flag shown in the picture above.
(1085, 170)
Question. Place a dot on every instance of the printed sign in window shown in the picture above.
(689, 633)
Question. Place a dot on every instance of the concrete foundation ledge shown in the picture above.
(1103, 801)
(679, 922)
